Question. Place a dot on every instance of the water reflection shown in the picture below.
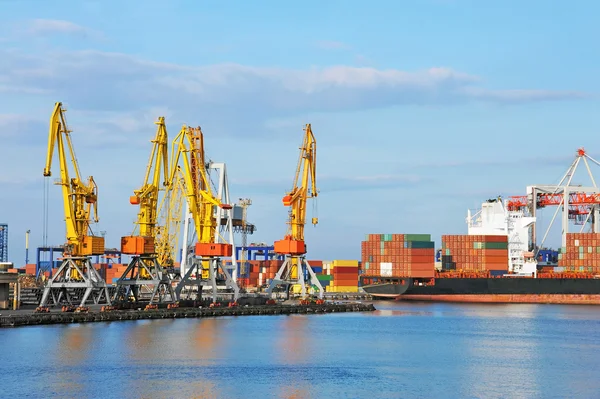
(294, 347)
(454, 351)
(498, 340)
(292, 392)
(395, 313)
(291, 339)
(72, 354)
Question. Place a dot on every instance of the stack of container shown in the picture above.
(345, 276)
(582, 253)
(479, 253)
(325, 276)
(255, 273)
(398, 255)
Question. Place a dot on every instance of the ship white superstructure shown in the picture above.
(494, 219)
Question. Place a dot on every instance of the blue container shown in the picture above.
(547, 255)
(495, 273)
(318, 270)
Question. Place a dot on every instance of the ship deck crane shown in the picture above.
(76, 275)
(295, 268)
(189, 147)
(144, 269)
(578, 203)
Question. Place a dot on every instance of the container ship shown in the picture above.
(492, 263)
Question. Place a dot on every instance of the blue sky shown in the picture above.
(421, 109)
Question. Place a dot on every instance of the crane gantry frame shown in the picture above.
(144, 268)
(201, 203)
(244, 204)
(578, 203)
(76, 269)
(295, 268)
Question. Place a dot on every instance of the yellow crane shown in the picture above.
(144, 269)
(295, 268)
(169, 228)
(76, 269)
(188, 146)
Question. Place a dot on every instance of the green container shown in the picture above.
(417, 237)
(420, 244)
(324, 277)
(448, 252)
(366, 265)
(581, 256)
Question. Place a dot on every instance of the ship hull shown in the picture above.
(490, 290)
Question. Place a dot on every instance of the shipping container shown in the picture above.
(581, 254)
(398, 255)
(478, 253)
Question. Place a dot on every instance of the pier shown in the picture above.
(29, 318)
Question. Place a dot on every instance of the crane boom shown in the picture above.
(293, 242)
(147, 195)
(78, 197)
(190, 148)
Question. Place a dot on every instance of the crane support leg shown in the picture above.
(142, 276)
(304, 274)
(200, 276)
(75, 280)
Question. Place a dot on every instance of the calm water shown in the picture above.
(402, 350)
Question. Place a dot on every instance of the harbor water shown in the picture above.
(402, 350)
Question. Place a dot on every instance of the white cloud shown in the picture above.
(17, 129)
(42, 27)
(117, 82)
